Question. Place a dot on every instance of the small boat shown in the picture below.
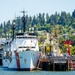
(23, 52)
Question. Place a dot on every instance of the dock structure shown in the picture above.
(1, 53)
(72, 62)
(57, 63)
(44, 63)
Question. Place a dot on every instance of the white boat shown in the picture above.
(23, 53)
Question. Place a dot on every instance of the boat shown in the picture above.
(2, 41)
(23, 51)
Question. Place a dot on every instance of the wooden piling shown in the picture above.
(53, 66)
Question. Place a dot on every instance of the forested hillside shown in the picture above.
(65, 21)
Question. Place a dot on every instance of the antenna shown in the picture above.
(24, 20)
(24, 12)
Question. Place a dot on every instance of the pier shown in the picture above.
(57, 63)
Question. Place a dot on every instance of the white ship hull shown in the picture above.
(25, 60)
(5, 62)
(22, 52)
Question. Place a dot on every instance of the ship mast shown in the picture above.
(24, 20)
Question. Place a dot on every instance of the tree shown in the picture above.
(18, 23)
(47, 19)
(34, 21)
(69, 19)
(73, 50)
(63, 18)
(52, 20)
(1, 29)
(73, 14)
(5, 29)
(41, 19)
(73, 39)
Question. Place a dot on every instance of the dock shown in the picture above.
(57, 63)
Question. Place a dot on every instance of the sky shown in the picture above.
(9, 9)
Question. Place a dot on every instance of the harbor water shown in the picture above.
(5, 71)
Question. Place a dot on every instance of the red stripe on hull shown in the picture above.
(17, 60)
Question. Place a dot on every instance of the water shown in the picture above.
(5, 71)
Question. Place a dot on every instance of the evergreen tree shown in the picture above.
(73, 14)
